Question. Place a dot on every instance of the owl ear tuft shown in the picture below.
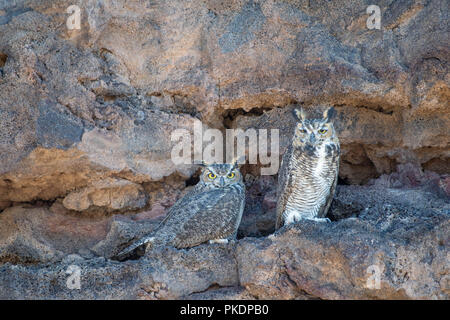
(329, 114)
(299, 114)
(238, 160)
(203, 164)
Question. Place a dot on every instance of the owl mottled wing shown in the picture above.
(324, 210)
(206, 216)
(333, 157)
(172, 215)
(178, 205)
(283, 183)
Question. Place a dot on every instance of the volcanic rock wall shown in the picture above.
(86, 117)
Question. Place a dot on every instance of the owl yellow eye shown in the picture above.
(231, 175)
(323, 131)
(211, 175)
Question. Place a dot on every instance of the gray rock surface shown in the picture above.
(108, 96)
(86, 118)
(392, 245)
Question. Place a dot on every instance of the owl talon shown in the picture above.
(323, 220)
(218, 241)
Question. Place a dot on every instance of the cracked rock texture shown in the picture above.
(393, 246)
(86, 118)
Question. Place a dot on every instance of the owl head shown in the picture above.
(314, 132)
(220, 175)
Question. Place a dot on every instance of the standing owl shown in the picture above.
(309, 170)
(211, 211)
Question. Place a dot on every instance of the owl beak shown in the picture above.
(222, 181)
(312, 138)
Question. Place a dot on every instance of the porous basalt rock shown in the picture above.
(86, 118)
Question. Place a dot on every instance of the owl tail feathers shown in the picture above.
(130, 249)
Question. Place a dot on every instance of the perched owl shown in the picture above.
(211, 211)
(309, 170)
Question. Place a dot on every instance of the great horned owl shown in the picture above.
(309, 170)
(211, 211)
